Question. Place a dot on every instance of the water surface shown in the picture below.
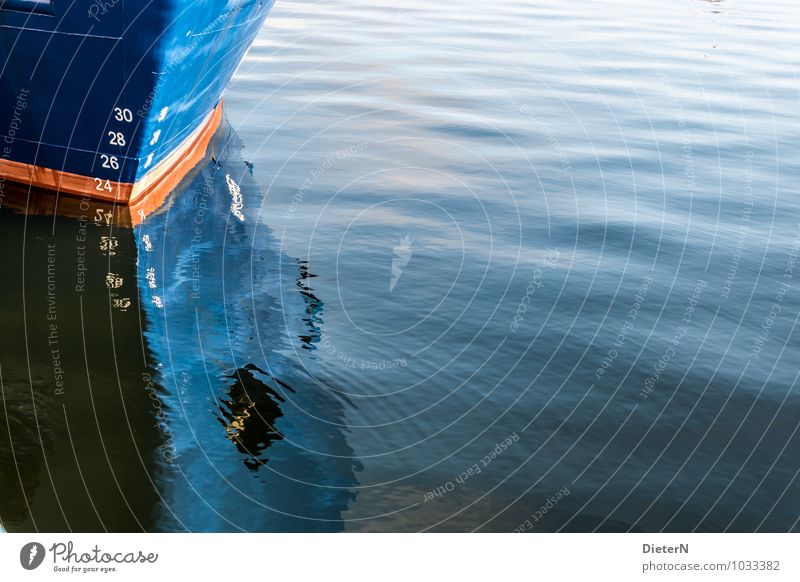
(525, 266)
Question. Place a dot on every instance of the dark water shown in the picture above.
(527, 266)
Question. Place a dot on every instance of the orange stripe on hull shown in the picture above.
(147, 194)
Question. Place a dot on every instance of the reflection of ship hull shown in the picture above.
(76, 428)
(182, 404)
(258, 445)
(115, 100)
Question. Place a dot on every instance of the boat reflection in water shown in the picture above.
(152, 369)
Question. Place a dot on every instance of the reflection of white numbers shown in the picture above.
(102, 185)
(123, 115)
(110, 161)
(117, 138)
(100, 216)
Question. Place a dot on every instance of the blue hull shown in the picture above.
(109, 89)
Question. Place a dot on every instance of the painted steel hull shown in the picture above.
(115, 99)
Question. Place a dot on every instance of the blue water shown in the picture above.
(523, 266)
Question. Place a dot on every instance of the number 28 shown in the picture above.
(117, 138)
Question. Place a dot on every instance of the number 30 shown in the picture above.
(123, 114)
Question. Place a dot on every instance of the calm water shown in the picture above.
(526, 266)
